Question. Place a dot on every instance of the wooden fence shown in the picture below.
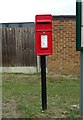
(18, 46)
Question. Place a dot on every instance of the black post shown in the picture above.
(43, 82)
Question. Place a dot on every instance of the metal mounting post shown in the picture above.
(43, 82)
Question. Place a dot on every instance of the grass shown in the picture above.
(22, 96)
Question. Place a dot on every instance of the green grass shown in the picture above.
(22, 96)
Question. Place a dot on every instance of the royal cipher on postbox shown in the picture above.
(43, 34)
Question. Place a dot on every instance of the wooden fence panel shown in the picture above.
(8, 47)
(18, 48)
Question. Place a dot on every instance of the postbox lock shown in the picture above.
(44, 32)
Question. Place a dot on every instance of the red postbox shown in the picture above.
(43, 34)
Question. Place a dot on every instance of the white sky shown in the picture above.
(25, 10)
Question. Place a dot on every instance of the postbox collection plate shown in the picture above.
(44, 41)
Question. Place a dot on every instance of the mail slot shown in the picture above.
(43, 34)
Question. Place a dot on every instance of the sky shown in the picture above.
(25, 10)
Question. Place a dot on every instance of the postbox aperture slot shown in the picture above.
(43, 21)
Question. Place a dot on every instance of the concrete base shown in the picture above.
(28, 70)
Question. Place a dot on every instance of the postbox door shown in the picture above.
(44, 43)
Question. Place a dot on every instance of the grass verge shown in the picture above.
(22, 96)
